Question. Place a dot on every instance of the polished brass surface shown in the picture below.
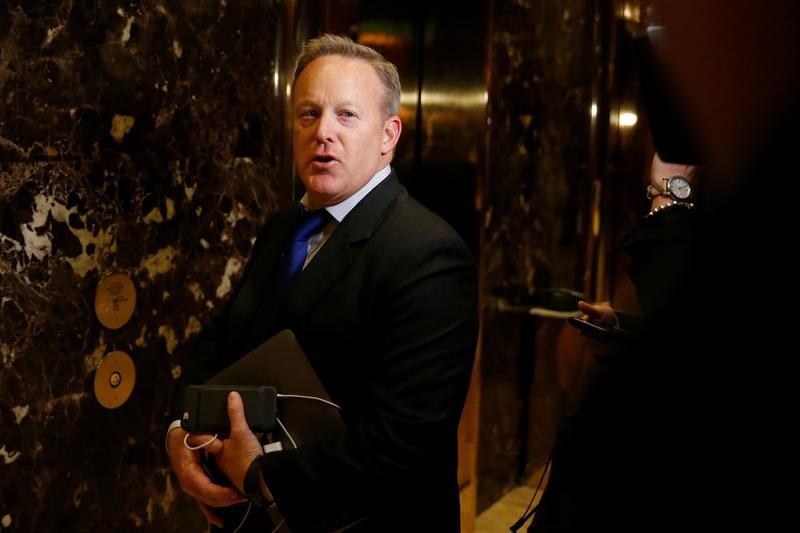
(451, 121)
(115, 300)
(114, 380)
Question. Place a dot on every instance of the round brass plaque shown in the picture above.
(114, 379)
(115, 300)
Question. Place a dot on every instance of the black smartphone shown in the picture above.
(205, 408)
(599, 331)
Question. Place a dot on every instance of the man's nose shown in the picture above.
(326, 128)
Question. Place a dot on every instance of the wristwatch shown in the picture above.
(676, 187)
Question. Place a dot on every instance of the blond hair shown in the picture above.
(337, 45)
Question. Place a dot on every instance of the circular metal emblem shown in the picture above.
(114, 379)
(115, 300)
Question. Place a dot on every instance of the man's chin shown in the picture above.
(319, 195)
(323, 182)
(319, 178)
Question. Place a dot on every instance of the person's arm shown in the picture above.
(658, 171)
(660, 247)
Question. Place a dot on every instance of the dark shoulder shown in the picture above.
(410, 222)
(274, 227)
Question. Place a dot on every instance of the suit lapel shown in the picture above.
(335, 257)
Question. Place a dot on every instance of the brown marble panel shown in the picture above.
(136, 137)
(537, 184)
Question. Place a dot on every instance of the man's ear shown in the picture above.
(391, 134)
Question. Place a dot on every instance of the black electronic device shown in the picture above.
(598, 331)
(205, 408)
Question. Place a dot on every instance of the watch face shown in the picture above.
(679, 187)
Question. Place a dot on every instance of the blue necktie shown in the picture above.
(295, 257)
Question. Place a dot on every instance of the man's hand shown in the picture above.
(603, 315)
(599, 314)
(234, 454)
(193, 479)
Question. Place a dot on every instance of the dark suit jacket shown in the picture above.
(386, 312)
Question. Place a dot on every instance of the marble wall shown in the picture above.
(144, 137)
(136, 137)
(534, 200)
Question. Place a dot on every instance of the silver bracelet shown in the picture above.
(687, 205)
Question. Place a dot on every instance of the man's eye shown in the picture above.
(309, 113)
(348, 114)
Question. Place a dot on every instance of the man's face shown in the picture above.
(341, 134)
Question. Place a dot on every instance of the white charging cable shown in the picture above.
(199, 446)
(301, 397)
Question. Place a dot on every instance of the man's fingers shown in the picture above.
(236, 413)
(588, 310)
(599, 313)
(196, 483)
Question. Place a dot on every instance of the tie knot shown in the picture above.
(310, 223)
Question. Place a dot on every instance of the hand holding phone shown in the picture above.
(205, 408)
(598, 331)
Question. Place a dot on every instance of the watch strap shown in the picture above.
(653, 191)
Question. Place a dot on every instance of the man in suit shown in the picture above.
(385, 310)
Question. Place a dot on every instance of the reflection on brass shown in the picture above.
(114, 379)
(115, 300)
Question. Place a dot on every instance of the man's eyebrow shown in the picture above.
(313, 102)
